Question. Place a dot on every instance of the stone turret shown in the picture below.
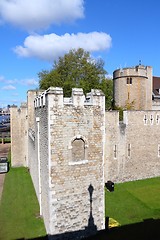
(133, 87)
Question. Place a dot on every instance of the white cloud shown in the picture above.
(50, 47)
(39, 14)
(2, 79)
(26, 82)
(29, 82)
(109, 76)
(8, 87)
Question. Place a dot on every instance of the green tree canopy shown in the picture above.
(77, 69)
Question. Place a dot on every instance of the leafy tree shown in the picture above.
(77, 69)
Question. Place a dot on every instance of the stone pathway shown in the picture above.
(4, 149)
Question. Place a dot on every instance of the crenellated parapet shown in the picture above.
(78, 99)
(137, 71)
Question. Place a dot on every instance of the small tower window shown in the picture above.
(129, 80)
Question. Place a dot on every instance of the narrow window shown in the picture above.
(130, 80)
(128, 95)
(158, 150)
(39, 102)
(145, 119)
(115, 151)
(157, 119)
(151, 119)
(129, 150)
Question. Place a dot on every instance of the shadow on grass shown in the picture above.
(149, 229)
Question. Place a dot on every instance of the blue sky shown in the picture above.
(34, 33)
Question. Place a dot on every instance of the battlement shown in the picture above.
(137, 71)
(96, 97)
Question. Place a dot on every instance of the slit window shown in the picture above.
(129, 80)
(158, 150)
(115, 151)
(145, 119)
(129, 150)
(157, 119)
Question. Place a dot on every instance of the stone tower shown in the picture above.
(133, 87)
(66, 160)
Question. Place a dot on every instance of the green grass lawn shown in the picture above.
(19, 209)
(132, 202)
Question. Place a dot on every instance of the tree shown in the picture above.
(77, 69)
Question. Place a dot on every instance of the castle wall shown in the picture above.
(43, 165)
(33, 151)
(71, 160)
(72, 147)
(19, 137)
(137, 146)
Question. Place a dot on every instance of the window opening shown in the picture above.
(145, 119)
(157, 119)
(129, 150)
(78, 149)
(158, 150)
(129, 80)
(115, 151)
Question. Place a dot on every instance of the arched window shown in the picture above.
(78, 150)
(78, 147)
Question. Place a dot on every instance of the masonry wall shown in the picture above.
(72, 147)
(19, 136)
(33, 163)
(42, 119)
(76, 184)
(132, 147)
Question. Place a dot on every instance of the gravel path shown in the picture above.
(4, 149)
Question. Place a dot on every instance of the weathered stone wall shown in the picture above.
(42, 129)
(137, 151)
(75, 186)
(19, 136)
(33, 162)
(33, 159)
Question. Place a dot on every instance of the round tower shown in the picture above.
(133, 87)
